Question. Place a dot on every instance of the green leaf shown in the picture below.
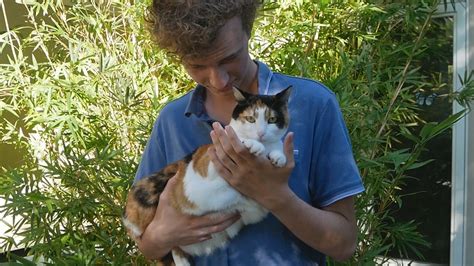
(419, 164)
(432, 130)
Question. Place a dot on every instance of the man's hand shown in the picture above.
(253, 176)
(331, 230)
(171, 228)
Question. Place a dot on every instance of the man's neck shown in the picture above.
(251, 86)
(220, 109)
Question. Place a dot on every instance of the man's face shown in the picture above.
(228, 62)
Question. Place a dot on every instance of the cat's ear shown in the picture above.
(284, 95)
(238, 94)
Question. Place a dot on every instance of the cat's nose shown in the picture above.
(260, 134)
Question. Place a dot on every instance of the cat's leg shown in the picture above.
(277, 158)
(180, 259)
(254, 146)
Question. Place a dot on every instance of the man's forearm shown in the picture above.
(327, 231)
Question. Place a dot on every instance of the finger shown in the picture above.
(195, 236)
(220, 227)
(288, 147)
(202, 232)
(215, 219)
(212, 219)
(237, 145)
(224, 158)
(170, 185)
(223, 171)
(204, 238)
(194, 240)
(225, 142)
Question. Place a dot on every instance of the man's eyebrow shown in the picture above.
(232, 56)
(227, 58)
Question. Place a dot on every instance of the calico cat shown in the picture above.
(260, 122)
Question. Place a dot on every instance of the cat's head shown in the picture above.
(261, 117)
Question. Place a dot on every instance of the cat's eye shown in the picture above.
(250, 119)
(272, 119)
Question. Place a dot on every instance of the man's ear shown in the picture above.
(238, 94)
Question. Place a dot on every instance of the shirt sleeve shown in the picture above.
(334, 173)
(154, 157)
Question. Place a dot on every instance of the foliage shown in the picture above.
(371, 55)
(83, 85)
(82, 88)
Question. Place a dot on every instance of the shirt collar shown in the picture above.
(198, 95)
(196, 102)
(264, 77)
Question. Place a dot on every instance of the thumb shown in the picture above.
(166, 196)
(172, 181)
(288, 147)
(170, 185)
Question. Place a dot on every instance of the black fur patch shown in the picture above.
(143, 197)
(241, 106)
(159, 181)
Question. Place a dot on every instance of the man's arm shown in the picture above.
(331, 230)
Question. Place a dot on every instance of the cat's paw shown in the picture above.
(255, 147)
(277, 158)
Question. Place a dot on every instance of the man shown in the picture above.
(310, 199)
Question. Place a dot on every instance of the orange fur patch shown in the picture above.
(252, 111)
(141, 216)
(179, 199)
(137, 214)
(201, 160)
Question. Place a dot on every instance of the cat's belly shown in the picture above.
(212, 194)
(209, 194)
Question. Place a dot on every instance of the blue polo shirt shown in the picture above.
(325, 170)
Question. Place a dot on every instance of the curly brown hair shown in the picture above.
(187, 28)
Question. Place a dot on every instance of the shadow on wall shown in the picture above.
(16, 16)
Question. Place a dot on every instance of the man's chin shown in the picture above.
(224, 91)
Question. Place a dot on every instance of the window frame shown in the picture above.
(460, 152)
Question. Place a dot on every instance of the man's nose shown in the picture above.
(218, 78)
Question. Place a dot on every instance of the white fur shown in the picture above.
(277, 158)
(254, 146)
(136, 232)
(213, 194)
(179, 260)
